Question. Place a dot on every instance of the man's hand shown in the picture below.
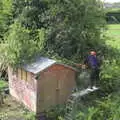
(83, 66)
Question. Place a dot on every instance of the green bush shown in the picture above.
(110, 79)
(108, 109)
(3, 84)
(53, 113)
(29, 115)
(113, 16)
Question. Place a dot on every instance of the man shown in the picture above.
(94, 65)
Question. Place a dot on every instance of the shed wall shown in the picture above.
(54, 86)
(23, 87)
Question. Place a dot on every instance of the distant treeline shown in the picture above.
(112, 5)
(113, 16)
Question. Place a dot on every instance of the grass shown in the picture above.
(3, 84)
(13, 110)
(114, 31)
(114, 36)
(114, 26)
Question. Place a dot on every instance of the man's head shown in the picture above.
(93, 53)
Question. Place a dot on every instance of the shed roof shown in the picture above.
(41, 64)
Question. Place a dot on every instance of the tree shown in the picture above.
(75, 27)
(21, 44)
(69, 27)
(5, 16)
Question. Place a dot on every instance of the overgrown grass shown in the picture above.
(3, 84)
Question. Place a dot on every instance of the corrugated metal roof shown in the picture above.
(39, 65)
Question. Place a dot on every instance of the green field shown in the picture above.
(113, 34)
(114, 26)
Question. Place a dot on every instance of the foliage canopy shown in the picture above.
(66, 28)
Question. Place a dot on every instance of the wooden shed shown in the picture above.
(42, 84)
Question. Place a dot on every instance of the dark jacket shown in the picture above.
(92, 62)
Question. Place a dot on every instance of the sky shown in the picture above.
(111, 1)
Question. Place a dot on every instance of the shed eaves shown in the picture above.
(39, 65)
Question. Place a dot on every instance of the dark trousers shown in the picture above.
(94, 77)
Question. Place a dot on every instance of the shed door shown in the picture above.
(63, 85)
(66, 84)
(50, 93)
